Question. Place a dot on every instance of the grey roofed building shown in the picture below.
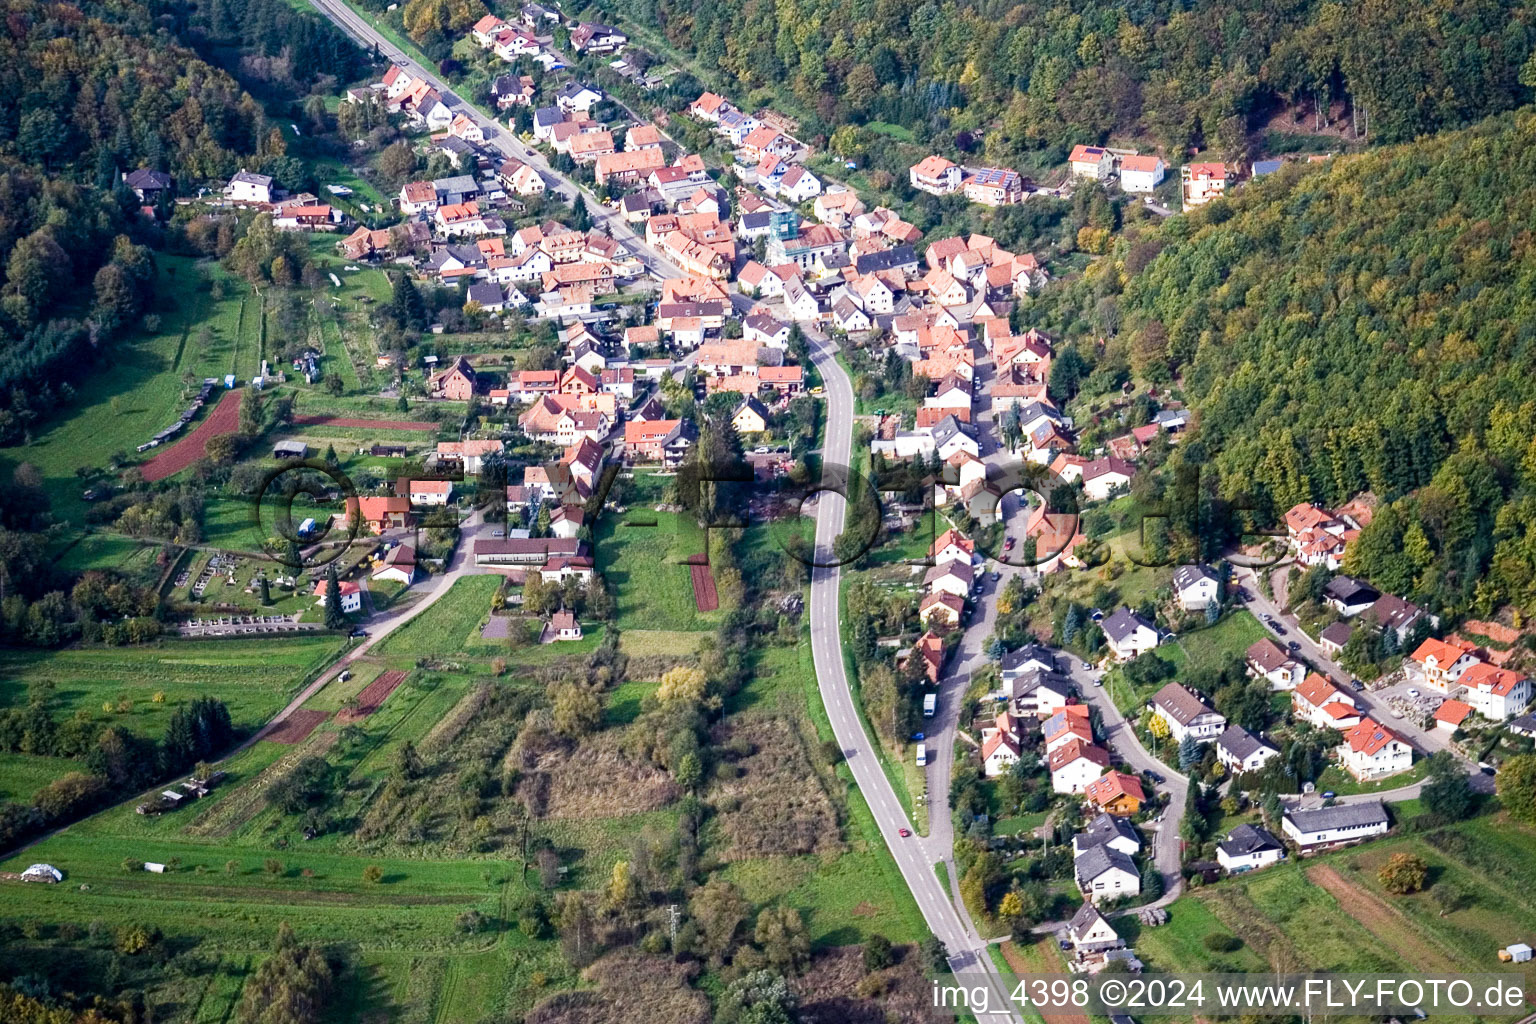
(1189, 575)
(1351, 592)
(1391, 611)
(959, 569)
(1106, 828)
(1263, 167)
(1029, 682)
(1123, 623)
(1339, 816)
(1249, 839)
(456, 188)
(901, 257)
(1241, 744)
(1336, 634)
(635, 202)
(758, 222)
(947, 428)
(1084, 922)
(1181, 704)
(455, 147)
(547, 117)
(571, 90)
(249, 178)
(1098, 860)
(1037, 655)
(486, 293)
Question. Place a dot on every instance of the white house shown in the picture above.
(1128, 634)
(351, 594)
(1495, 693)
(246, 187)
(1141, 173)
(1075, 764)
(951, 578)
(1092, 162)
(1088, 932)
(1241, 751)
(430, 492)
(799, 185)
(1268, 660)
(1105, 874)
(1338, 825)
(1110, 830)
(1186, 714)
(1103, 477)
(399, 564)
(1372, 751)
(999, 747)
(1249, 848)
(1197, 587)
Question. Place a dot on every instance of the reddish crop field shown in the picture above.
(296, 726)
(373, 695)
(224, 419)
(705, 597)
(362, 424)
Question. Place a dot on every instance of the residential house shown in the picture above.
(575, 98)
(1196, 587)
(1334, 636)
(1092, 162)
(935, 175)
(994, 186)
(566, 521)
(1203, 182)
(1324, 705)
(1104, 873)
(1108, 830)
(350, 592)
(1349, 596)
(1249, 848)
(750, 417)
(1327, 827)
(942, 609)
(1372, 751)
(1186, 714)
(1088, 932)
(1075, 764)
(1141, 174)
(380, 514)
(456, 383)
(1128, 634)
(1240, 751)
(1038, 692)
(951, 546)
(957, 578)
(398, 564)
(430, 492)
(1106, 476)
(1268, 660)
(149, 185)
(1442, 662)
(797, 185)
(595, 37)
(246, 187)
(1496, 693)
(1116, 793)
(999, 746)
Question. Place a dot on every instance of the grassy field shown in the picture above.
(1276, 912)
(642, 556)
(452, 625)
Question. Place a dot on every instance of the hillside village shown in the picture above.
(558, 398)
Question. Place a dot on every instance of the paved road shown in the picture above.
(496, 135)
(945, 919)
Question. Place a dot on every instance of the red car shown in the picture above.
(903, 832)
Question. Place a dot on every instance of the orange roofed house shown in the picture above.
(1372, 751)
(1116, 793)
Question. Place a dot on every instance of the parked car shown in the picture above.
(1279, 629)
(1412, 692)
(1355, 684)
(1328, 795)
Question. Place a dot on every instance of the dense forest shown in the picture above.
(1049, 75)
(1362, 326)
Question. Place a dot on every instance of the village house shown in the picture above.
(1349, 596)
(1240, 751)
(1104, 873)
(1116, 793)
(1324, 705)
(1128, 634)
(1268, 660)
(595, 37)
(941, 609)
(1249, 848)
(994, 186)
(380, 514)
(1450, 714)
(1092, 162)
(351, 595)
(935, 175)
(1496, 693)
(430, 492)
(1106, 476)
(564, 625)
(398, 564)
(999, 746)
(1141, 174)
(1186, 714)
(1196, 587)
(1037, 692)
(1203, 182)
(246, 187)
(1327, 827)
(1372, 751)
(1107, 830)
(1075, 764)
(1442, 662)
(456, 383)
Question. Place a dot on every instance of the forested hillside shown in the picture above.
(1366, 326)
(94, 90)
(1054, 74)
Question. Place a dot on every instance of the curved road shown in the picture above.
(949, 922)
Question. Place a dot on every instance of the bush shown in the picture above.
(1220, 942)
(1403, 873)
(373, 874)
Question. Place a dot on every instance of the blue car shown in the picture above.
(917, 735)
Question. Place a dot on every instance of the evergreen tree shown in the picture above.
(1151, 880)
(1189, 752)
(407, 307)
(266, 592)
(335, 618)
